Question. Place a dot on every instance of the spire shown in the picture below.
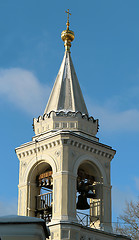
(66, 94)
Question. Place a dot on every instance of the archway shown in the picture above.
(89, 194)
(40, 191)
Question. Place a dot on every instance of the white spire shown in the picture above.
(66, 94)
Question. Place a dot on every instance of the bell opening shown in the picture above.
(44, 200)
(89, 199)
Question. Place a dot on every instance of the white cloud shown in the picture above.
(120, 112)
(23, 89)
(111, 120)
(8, 207)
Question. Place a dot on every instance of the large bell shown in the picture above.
(91, 194)
(82, 203)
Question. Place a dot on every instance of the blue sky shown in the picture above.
(105, 54)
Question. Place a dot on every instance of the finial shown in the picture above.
(67, 35)
(68, 13)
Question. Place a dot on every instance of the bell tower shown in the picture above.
(65, 170)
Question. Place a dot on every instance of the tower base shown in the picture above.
(75, 231)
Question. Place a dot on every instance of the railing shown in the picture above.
(44, 200)
(86, 220)
(114, 227)
(44, 206)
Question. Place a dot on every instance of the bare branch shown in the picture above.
(130, 218)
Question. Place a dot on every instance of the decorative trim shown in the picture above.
(62, 113)
(94, 160)
(66, 114)
(65, 141)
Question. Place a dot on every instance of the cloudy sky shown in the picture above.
(105, 54)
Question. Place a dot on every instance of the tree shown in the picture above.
(130, 221)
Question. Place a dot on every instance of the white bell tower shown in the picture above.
(65, 169)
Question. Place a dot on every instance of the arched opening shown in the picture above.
(41, 191)
(89, 195)
(44, 182)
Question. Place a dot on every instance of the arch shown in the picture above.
(44, 158)
(84, 158)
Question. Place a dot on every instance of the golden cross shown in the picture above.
(68, 13)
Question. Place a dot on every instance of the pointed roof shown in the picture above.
(66, 94)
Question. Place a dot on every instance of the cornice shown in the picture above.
(40, 146)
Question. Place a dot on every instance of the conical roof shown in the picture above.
(66, 94)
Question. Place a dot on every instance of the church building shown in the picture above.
(64, 175)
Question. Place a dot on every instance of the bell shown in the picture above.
(43, 183)
(90, 194)
(82, 203)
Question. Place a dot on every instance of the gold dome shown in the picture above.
(67, 35)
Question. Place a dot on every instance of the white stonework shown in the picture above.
(75, 231)
(65, 142)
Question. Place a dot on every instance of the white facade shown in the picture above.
(64, 154)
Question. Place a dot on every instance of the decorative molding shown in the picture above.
(23, 164)
(64, 114)
(65, 141)
(72, 120)
(93, 160)
(57, 153)
(32, 166)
